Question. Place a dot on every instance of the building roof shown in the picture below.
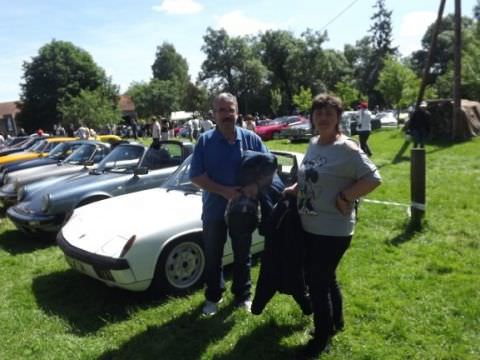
(126, 103)
(7, 108)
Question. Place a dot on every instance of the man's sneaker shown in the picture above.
(210, 307)
(245, 304)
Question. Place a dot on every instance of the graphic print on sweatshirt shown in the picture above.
(306, 194)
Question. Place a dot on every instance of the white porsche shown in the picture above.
(150, 238)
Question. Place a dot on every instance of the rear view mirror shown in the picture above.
(140, 171)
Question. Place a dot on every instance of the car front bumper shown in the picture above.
(8, 198)
(112, 271)
(31, 222)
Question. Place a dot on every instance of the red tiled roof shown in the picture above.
(126, 103)
(7, 108)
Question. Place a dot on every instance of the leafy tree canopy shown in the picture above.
(59, 72)
(170, 65)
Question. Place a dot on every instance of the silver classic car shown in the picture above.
(87, 155)
(128, 168)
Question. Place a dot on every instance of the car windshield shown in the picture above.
(180, 179)
(124, 158)
(82, 154)
(38, 147)
(59, 150)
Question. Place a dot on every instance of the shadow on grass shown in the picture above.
(410, 230)
(264, 343)
(15, 242)
(400, 155)
(85, 303)
(186, 337)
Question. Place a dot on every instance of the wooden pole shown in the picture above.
(457, 68)
(433, 44)
(417, 186)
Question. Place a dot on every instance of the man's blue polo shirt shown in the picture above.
(220, 160)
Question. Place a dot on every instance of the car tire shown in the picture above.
(180, 267)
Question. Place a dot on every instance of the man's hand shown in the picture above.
(291, 190)
(250, 191)
(231, 192)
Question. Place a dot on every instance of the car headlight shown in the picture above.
(21, 193)
(45, 202)
(16, 185)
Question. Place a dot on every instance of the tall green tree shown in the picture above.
(170, 65)
(60, 71)
(91, 108)
(398, 84)
(347, 91)
(158, 97)
(230, 65)
(443, 53)
(275, 101)
(381, 38)
(303, 100)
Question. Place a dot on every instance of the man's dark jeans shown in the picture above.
(363, 136)
(214, 238)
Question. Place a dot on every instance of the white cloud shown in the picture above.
(236, 23)
(179, 7)
(412, 29)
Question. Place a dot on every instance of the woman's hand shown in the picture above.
(344, 205)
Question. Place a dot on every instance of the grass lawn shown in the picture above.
(408, 295)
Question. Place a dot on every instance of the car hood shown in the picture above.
(30, 175)
(104, 227)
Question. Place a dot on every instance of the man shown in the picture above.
(419, 125)
(364, 127)
(215, 163)
(156, 130)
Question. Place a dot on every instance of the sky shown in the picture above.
(122, 35)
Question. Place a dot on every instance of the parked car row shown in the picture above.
(131, 220)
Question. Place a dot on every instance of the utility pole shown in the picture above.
(431, 50)
(457, 67)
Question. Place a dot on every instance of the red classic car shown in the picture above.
(270, 129)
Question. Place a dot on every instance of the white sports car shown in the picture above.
(150, 238)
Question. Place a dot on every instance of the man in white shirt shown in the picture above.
(364, 127)
(155, 132)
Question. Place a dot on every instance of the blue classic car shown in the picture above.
(128, 168)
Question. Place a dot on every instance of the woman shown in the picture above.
(334, 173)
(164, 129)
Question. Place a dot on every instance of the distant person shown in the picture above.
(364, 127)
(206, 125)
(83, 132)
(250, 123)
(21, 132)
(134, 125)
(60, 131)
(195, 128)
(240, 121)
(156, 131)
(164, 129)
(71, 130)
(92, 133)
(419, 125)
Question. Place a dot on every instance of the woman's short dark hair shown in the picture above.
(326, 100)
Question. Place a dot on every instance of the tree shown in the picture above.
(59, 72)
(381, 38)
(303, 100)
(158, 97)
(92, 108)
(348, 92)
(231, 66)
(197, 99)
(398, 84)
(276, 100)
(170, 65)
(443, 53)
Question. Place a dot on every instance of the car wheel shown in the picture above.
(180, 267)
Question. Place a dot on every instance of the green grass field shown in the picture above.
(408, 295)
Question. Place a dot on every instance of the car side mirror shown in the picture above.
(140, 171)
